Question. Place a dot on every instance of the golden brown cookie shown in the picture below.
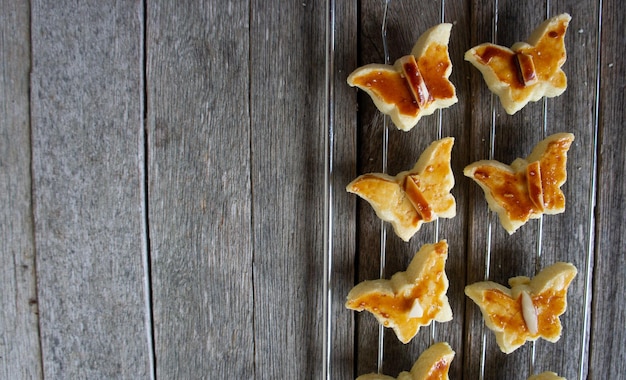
(528, 187)
(527, 71)
(409, 299)
(529, 310)
(412, 197)
(434, 363)
(546, 376)
(416, 85)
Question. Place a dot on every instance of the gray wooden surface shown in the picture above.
(20, 350)
(162, 188)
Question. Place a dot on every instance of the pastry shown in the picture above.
(529, 187)
(527, 311)
(433, 364)
(546, 376)
(416, 85)
(409, 299)
(528, 70)
(412, 197)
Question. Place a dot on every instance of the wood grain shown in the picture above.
(344, 155)
(608, 315)
(199, 190)
(87, 147)
(287, 81)
(20, 353)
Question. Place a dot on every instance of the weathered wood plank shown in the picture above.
(87, 143)
(20, 353)
(482, 18)
(287, 87)
(344, 205)
(609, 294)
(199, 189)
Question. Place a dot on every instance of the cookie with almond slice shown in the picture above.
(413, 197)
(529, 310)
(416, 85)
(410, 299)
(528, 188)
(527, 71)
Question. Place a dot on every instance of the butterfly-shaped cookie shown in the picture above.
(412, 197)
(546, 376)
(529, 187)
(529, 310)
(409, 299)
(529, 70)
(433, 364)
(416, 85)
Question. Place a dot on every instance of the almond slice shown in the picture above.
(414, 78)
(529, 313)
(527, 71)
(535, 189)
(417, 199)
(416, 310)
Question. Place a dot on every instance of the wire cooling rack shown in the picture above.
(329, 143)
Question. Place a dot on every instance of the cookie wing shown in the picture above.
(501, 312)
(433, 178)
(506, 192)
(497, 65)
(389, 92)
(434, 66)
(546, 47)
(551, 154)
(389, 201)
(549, 296)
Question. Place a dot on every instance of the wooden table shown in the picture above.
(162, 181)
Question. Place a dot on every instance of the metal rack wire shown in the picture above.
(329, 128)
